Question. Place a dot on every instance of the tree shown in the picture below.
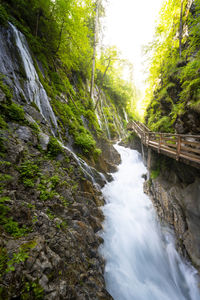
(94, 47)
(181, 29)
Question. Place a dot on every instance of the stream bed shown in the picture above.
(141, 260)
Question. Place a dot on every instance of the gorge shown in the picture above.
(75, 222)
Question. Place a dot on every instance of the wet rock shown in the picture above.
(44, 140)
(175, 195)
(24, 133)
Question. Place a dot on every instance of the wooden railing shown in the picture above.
(177, 146)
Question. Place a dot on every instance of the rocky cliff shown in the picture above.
(50, 198)
(174, 189)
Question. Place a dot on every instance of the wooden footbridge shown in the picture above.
(178, 146)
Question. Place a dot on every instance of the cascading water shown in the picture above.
(125, 115)
(15, 59)
(141, 260)
(97, 178)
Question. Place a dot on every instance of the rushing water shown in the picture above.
(141, 260)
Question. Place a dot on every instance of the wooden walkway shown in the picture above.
(178, 146)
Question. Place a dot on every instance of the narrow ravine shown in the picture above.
(141, 260)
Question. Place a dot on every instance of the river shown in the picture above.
(141, 260)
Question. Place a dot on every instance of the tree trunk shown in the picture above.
(181, 29)
(60, 36)
(94, 48)
(104, 74)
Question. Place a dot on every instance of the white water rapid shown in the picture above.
(141, 260)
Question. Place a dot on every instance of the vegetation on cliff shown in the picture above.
(49, 206)
(173, 93)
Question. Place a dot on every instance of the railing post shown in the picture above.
(178, 149)
(148, 139)
(160, 142)
(145, 138)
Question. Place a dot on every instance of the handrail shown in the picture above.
(177, 146)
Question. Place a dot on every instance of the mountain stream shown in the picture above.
(141, 260)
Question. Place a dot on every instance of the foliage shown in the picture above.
(3, 123)
(13, 112)
(5, 89)
(109, 75)
(174, 76)
(154, 174)
(47, 187)
(62, 26)
(20, 256)
(28, 172)
(33, 288)
(3, 15)
(54, 147)
(85, 141)
(10, 226)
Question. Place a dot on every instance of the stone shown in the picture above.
(175, 195)
(44, 140)
(24, 133)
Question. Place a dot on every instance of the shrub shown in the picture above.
(13, 228)
(54, 147)
(28, 172)
(85, 142)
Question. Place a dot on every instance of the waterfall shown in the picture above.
(97, 178)
(94, 99)
(106, 126)
(16, 59)
(125, 115)
(141, 260)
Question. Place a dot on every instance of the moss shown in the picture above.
(10, 226)
(113, 131)
(35, 127)
(3, 15)
(47, 187)
(91, 117)
(161, 124)
(16, 112)
(155, 173)
(28, 173)
(13, 228)
(54, 147)
(32, 290)
(33, 104)
(6, 90)
(13, 112)
(3, 124)
(85, 141)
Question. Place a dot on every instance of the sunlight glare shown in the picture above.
(130, 25)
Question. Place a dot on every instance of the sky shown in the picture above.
(129, 24)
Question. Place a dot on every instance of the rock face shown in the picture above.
(49, 227)
(175, 194)
(188, 123)
(18, 68)
(50, 198)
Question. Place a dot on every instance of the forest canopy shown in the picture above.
(63, 33)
